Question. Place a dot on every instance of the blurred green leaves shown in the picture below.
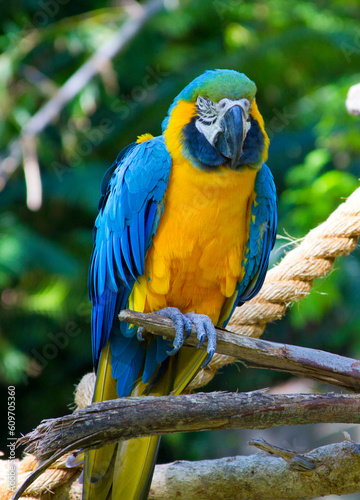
(312, 195)
(13, 363)
(22, 250)
(303, 59)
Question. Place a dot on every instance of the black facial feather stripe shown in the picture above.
(208, 158)
(253, 145)
(206, 110)
(207, 122)
(199, 149)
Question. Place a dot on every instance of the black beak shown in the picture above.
(230, 141)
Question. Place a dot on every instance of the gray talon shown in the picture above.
(188, 331)
(201, 340)
(209, 356)
(183, 324)
(173, 351)
(140, 333)
(204, 328)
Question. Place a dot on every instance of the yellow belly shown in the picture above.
(195, 259)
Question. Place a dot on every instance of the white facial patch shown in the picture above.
(210, 115)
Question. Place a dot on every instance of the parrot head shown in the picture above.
(215, 122)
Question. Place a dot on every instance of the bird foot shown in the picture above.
(183, 323)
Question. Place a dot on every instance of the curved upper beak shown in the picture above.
(230, 141)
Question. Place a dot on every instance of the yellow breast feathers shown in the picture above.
(194, 262)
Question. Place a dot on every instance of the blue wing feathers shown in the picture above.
(124, 349)
(142, 243)
(156, 353)
(131, 205)
(101, 321)
(105, 184)
(110, 276)
(102, 268)
(262, 235)
(130, 208)
(150, 361)
(120, 265)
(134, 236)
(129, 373)
(149, 217)
(126, 253)
(162, 346)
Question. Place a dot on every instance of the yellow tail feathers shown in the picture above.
(123, 471)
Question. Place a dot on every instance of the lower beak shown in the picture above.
(230, 141)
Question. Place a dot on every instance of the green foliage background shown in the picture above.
(303, 56)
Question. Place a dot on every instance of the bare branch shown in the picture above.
(302, 361)
(32, 172)
(93, 66)
(126, 418)
(335, 471)
(45, 115)
(287, 475)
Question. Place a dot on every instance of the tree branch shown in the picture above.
(11, 160)
(139, 14)
(32, 172)
(335, 471)
(126, 418)
(285, 475)
(301, 361)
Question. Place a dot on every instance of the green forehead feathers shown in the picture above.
(218, 84)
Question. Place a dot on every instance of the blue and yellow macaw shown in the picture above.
(186, 224)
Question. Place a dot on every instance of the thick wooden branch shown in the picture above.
(284, 475)
(302, 361)
(335, 471)
(126, 418)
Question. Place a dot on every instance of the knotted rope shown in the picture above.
(289, 281)
(54, 477)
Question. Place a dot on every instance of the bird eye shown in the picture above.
(246, 104)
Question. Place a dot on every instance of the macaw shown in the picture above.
(185, 227)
